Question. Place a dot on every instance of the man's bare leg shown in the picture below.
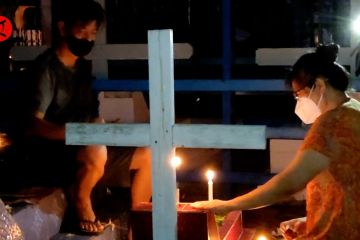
(91, 161)
(141, 182)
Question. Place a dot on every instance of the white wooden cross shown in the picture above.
(163, 135)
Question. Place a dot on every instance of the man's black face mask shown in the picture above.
(79, 47)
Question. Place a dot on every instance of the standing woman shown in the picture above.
(328, 162)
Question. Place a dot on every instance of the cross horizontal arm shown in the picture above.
(185, 135)
(135, 51)
(107, 52)
(219, 136)
(133, 135)
(271, 56)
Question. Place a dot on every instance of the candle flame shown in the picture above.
(262, 237)
(176, 161)
(4, 141)
(210, 174)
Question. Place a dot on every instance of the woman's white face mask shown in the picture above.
(306, 109)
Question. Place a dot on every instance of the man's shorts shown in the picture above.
(53, 164)
(117, 169)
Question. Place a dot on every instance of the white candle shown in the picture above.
(210, 190)
(176, 162)
(177, 195)
(210, 176)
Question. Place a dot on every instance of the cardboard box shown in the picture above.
(282, 152)
(355, 95)
(123, 107)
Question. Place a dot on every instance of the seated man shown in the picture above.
(61, 88)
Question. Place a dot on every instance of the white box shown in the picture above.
(123, 107)
(355, 95)
(282, 152)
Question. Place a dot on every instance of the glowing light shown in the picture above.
(261, 237)
(356, 26)
(176, 161)
(4, 141)
(210, 174)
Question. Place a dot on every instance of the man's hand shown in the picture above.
(98, 120)
(217, 206)
(45, 129)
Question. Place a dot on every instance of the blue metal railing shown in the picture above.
(201, 85)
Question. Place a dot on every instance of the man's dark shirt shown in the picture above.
(61, 93)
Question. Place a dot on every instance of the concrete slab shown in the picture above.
(108, 234)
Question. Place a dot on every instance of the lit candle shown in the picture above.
(262, 237)
(176, 162)
(210, 174)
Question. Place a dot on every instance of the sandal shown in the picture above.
(76, 225)
(85, 227)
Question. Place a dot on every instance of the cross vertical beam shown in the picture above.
(164, 135)
(162, 119)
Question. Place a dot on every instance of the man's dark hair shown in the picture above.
(73, 12)
(81, 11)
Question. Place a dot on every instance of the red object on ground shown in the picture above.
(192, 224)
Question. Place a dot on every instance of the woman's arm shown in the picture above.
(293, 178)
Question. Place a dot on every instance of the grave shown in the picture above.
(163, 135)
(198, 224)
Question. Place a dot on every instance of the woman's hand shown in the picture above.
(217, 206)
(293, 228)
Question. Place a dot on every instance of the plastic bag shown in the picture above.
(9, 230)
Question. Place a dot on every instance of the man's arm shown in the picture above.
(46, 129)
(42, 92)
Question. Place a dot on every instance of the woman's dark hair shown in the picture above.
(321, 63)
